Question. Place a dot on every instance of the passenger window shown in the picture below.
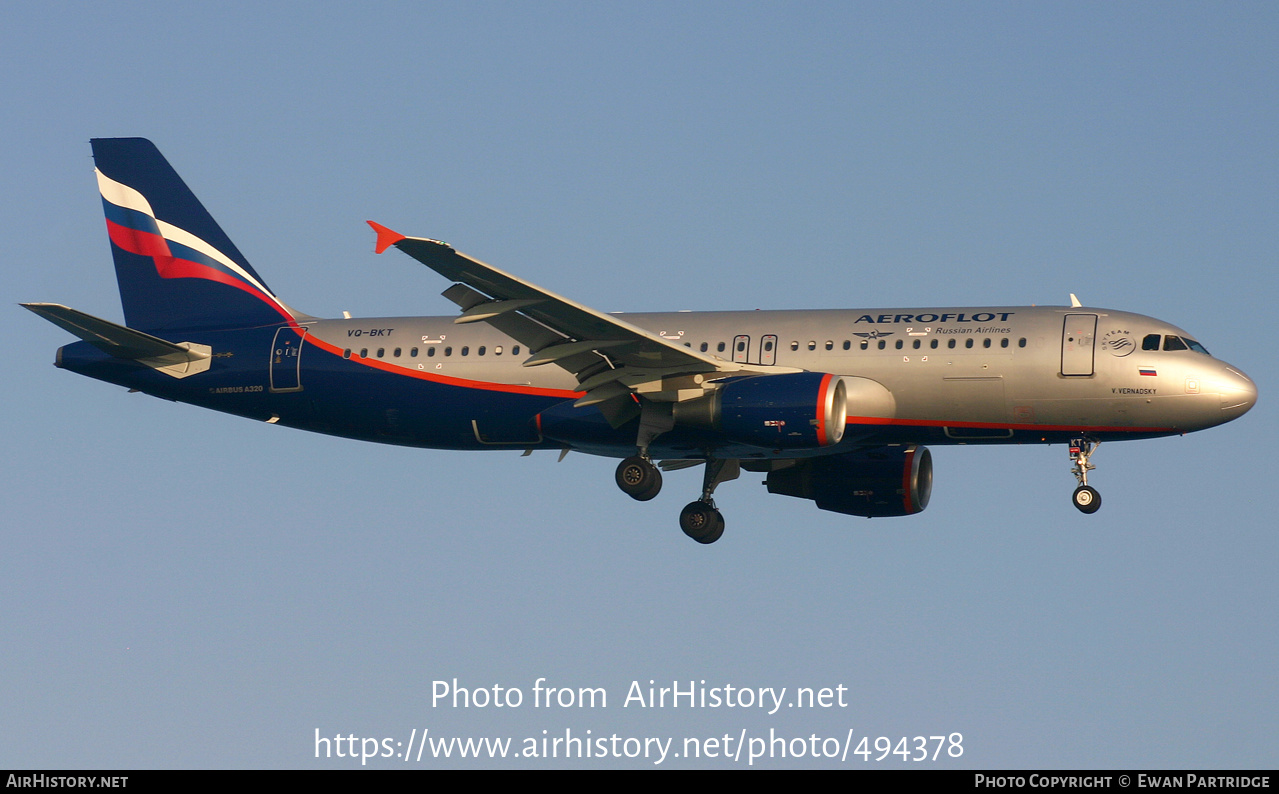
(430, 351)
(515, 350)
(793, 346)
(497, 350)
(916, 345)
(1003, 342)
(448, 351)
(413, 353)
(481, 350)
(741, 346)
(704, 347)
(933, 344)
(1021, 342)
(1174, 343)
(381, 351)
(768, 346)
(812, 344)
(1150, 342)
(899, 344)
(364, 352)
(830, 345)
(346, 353)
(847, 344)
(985, 342)
(720, 347)
(865, 344)
(397, 352)
(882, 344)
(466, 350)
(968, 342)
(950, 343)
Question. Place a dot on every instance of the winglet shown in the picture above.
(385, 237)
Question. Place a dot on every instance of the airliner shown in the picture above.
(832, 406)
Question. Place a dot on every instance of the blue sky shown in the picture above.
(186, 589)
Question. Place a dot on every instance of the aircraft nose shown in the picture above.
(1238, 393)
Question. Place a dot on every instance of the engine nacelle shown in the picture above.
(798, 410)
(794, 410)
(884, 481)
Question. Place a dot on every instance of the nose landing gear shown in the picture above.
(1085, 498)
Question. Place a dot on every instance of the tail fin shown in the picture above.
(175, 266)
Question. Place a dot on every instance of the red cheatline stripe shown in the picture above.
(879, 420)
(446, 380)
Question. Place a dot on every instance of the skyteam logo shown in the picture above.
(133, 227)
(1118, 343)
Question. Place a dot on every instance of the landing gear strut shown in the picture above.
(700, 520)
(1085, 497)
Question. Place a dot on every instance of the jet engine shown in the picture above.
(878, 482)
(798, 410)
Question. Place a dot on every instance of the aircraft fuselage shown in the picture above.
(984, 375)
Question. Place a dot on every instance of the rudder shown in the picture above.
(175, 266)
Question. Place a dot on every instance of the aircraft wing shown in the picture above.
(610, 358)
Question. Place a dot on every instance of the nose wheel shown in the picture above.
(1086, 499)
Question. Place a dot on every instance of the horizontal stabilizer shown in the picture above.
(176, 359)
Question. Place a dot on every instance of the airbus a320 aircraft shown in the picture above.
(834, 406)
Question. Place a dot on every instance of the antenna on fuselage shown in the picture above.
(1074, 302)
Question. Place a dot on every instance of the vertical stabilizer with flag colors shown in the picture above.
(175, 266)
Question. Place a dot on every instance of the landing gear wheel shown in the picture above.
(1087, 499)
(701, 522)
(716, 533)
(638, 479)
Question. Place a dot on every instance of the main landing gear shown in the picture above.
(1085, 497)
(700, 520)
(639, 478)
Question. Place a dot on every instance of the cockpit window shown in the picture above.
(1184, 343)
(1150, 342)
(1195, 346)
